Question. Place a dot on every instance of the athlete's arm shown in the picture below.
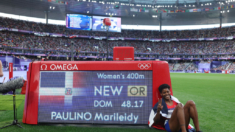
(159, 108)
(1, 73)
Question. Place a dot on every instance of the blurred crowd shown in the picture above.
(53, 43)
(39, 27)
(192, 67)
(232, 67)
(171, 66)
(182, 66)
(58, 44)
(222, 67)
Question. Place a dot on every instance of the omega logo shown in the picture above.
(64, 67)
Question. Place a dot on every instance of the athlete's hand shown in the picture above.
(159, 107)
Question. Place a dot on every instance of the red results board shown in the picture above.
(93, 92)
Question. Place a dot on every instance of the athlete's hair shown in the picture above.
(163, 86)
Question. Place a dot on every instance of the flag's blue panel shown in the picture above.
(53, 79)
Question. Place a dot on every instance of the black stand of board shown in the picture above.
(15, 121)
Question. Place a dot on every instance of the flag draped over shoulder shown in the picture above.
(164, 114)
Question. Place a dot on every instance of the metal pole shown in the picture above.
(220, 20)
(14, 104)
(160, 23)
(23, 48)
(46, 16)
(107, 44)
(72, 56)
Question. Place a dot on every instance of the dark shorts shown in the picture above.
(167, 127)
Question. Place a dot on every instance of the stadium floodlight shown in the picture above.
(106, 13)
(185, 5)
(87, 11)
(227, 10)
(221, 11)
(134, 15)
(193, 5)
(210, 4)
(50, 7)
(201, 4)
(53, 8)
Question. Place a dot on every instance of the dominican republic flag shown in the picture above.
(61, 88)
(163, 112)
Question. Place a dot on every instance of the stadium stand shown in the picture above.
(192, 67)
(39, 27)
(62, 46)
(232, 67)
(171, 66)
(50, 43)
(182, 66)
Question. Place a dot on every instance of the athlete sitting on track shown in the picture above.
(175, 116)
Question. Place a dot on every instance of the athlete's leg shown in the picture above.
(177, 120)
(190, 111)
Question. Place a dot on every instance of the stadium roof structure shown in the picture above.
(137, 12)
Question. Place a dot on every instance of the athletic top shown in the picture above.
(171, 109)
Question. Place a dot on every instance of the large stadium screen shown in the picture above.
(80, 22)
(97, 24)
(106, 97)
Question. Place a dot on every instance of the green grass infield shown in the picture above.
(212, 93)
